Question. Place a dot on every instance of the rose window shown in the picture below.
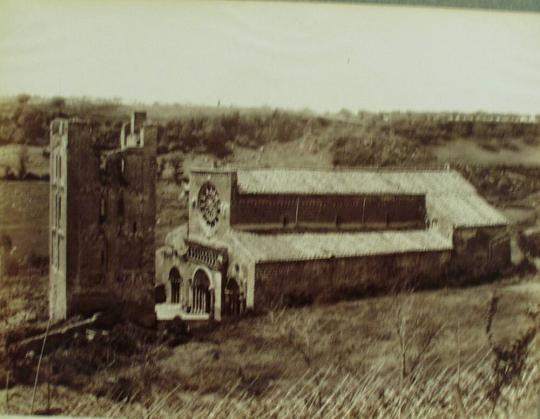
(209, 204)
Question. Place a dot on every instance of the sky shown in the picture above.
(321, 56)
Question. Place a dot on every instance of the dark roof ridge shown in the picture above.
(441, 168)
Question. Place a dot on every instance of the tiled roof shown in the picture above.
(309, 246)
(313, 182)
(448, 195)
(350, 182)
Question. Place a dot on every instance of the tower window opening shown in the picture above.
(121, 208)
(102, 210)
(58, 210)
(58, 247)
(103, 258)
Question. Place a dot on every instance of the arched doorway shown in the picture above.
(176, 283)
(231, 297)
(201, 293)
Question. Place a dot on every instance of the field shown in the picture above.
(34, 159)
(24, 216)
(450, 352)
(344, 359)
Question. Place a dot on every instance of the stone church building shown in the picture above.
(263, 238)
(255, 239)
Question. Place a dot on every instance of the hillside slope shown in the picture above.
(471, 348)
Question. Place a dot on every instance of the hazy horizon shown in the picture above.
(319, 56)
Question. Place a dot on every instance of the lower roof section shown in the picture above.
(310, 246)
(464, 211)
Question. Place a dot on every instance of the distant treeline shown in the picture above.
(427, 127)
(515, 5)
(398, 138)
(217, 134)
(26, 119)
(354, 138)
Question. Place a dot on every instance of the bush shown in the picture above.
(298, 299)
(5, 242)
(176, 333)
(525, 267)
(12, 268)
(36, 261)
(58, 102)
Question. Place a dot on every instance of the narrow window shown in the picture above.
(59, 167)
(55, 214)
(134, 227)
(285, 221)
(103, 258)
(58, 210)
(54, 249)
(338, 221)
(102, 210)
(120, 207)
(58, 240)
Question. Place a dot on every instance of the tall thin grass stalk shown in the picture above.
(7, 392)
(161, 402)
(39, 365)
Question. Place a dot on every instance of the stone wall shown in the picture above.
(480, 251)
(303, 282)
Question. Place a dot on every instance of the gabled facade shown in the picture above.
(261, 238)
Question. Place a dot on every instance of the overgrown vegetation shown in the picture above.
(218, 134)
(509, 361)
(340, 360)
(356, 139)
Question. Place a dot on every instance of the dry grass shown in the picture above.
(24, 217)
(327, 361)
(318, 393)
(23, 301)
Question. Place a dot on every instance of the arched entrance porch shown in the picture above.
(202, 293)
(176, 284)
(231, 298)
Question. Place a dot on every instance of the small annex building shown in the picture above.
(261, 238)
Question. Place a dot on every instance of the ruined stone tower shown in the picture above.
(102, 220)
